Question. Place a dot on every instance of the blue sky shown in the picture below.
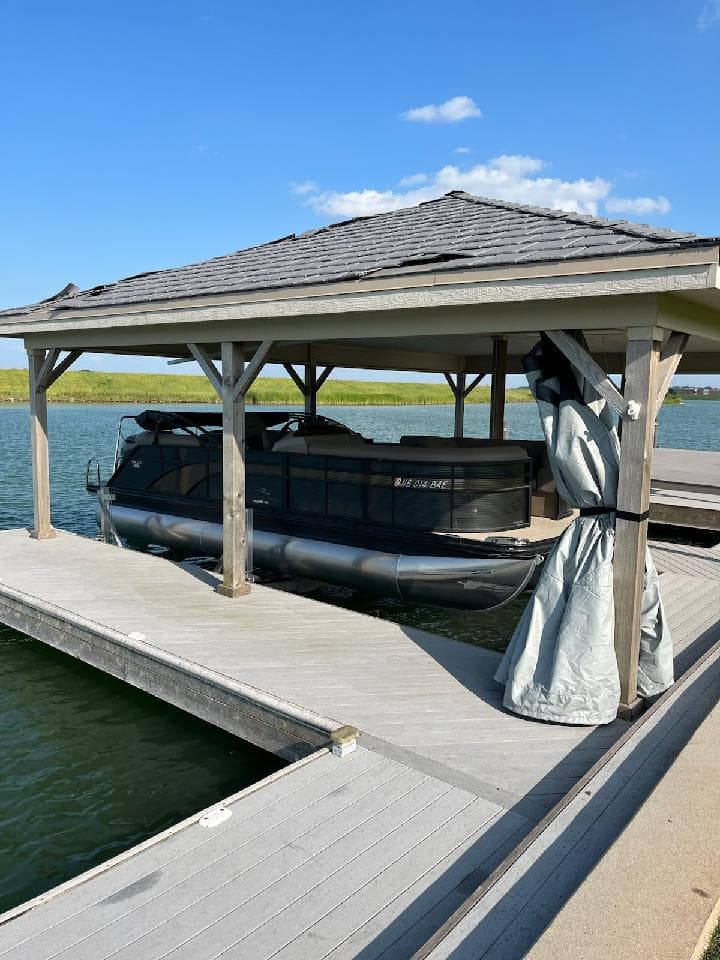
(136, 136)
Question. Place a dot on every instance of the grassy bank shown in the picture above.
(84, 386)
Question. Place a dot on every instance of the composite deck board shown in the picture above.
(231, 882)
(333, 857)
(385, 830)
(343, 665)
(509, 916)
(675, 466)
(681, 558)
(115, 916)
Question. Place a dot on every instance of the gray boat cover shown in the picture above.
(560, 664)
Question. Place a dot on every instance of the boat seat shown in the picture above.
(399, 453)
(335, 442)
(165, 439)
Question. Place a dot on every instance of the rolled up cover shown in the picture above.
(560, 665)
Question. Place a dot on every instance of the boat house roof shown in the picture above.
(421, 288)
(455, 232)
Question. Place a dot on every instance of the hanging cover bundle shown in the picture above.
(560, 665)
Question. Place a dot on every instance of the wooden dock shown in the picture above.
(367, 854)
(685, 488)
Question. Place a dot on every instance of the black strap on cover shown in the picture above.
(621, 514)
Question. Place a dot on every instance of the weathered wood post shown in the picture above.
(633, 503)
(459, 407)
(42, 530)
(497, 389)
(311, 389)
(234, 533)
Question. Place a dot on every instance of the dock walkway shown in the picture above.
(685, 488)
(330, 857)
(367, 854)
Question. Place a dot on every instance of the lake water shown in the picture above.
(91, 766)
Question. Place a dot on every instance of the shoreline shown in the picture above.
(93, 387)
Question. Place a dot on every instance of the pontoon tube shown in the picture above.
(465, 583)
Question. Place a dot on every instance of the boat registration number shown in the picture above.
(419, 483)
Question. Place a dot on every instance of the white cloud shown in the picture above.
(516, 178)
(512, 178)
(304, 188)
(462, 150)
(638, 206)
(453, 110)
(709, 15)
(414, 180)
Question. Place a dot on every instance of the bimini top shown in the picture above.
(455, 232)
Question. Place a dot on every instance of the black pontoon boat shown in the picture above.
(412, 519)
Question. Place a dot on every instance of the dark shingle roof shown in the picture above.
(457, 231)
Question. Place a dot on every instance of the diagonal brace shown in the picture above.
(589, 368)
(670, 358)
(207, 366)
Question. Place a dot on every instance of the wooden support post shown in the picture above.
(234, 534)
(641, 377)
(311, 389)
(459, 392)
(461, 389)
(42, 529)
(497, 389)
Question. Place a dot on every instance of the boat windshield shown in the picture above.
(262, 428)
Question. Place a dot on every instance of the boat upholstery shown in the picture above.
(167, 439)
(357, 448)
(334, 442)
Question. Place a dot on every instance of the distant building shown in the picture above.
(696, 393)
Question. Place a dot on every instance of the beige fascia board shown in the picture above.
(598, 313)
(440, 290)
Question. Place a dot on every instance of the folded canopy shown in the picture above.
(560, 664)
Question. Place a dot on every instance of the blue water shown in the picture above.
(78, 432)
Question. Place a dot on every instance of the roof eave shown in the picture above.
(409, 278)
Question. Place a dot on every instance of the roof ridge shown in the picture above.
(586, 219)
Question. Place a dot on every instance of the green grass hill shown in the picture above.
(85, 386)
